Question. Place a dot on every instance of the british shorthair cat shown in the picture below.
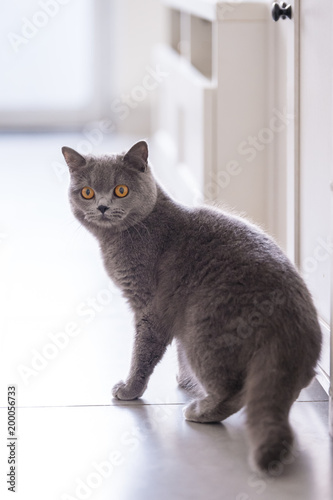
(245, 326)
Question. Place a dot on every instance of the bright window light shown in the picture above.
(47, 53)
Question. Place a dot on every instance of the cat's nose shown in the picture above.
(103, 209)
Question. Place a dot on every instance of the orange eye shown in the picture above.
(121, 191)
(87, 193)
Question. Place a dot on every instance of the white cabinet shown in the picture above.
(212, 121)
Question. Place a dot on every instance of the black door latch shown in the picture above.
(283, 10)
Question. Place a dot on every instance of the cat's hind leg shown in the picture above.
(186, 378)
(212, 409)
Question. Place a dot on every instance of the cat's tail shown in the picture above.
(270, 392)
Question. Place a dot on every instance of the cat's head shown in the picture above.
(112, 191)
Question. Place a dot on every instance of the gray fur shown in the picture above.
(245, 325)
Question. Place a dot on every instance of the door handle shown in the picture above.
(283, 10)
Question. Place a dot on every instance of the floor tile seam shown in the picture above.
(312, 401)
(96, 406)
(131, 404)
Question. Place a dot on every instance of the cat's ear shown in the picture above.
(73, 159)
(137, 156)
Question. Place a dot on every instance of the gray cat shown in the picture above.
(245, 325)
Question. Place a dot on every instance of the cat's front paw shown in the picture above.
(126, 392)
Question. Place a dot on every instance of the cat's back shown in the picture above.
(217, 258)
(224, 242)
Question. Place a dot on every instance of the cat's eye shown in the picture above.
(121, 191)
(87, 193)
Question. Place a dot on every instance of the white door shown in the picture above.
(301, 185)
(315, 158)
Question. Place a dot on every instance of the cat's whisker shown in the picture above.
(129, 234)
(74, 234)
(140, 223)
(138, 232)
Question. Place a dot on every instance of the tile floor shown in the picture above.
(66, 339)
